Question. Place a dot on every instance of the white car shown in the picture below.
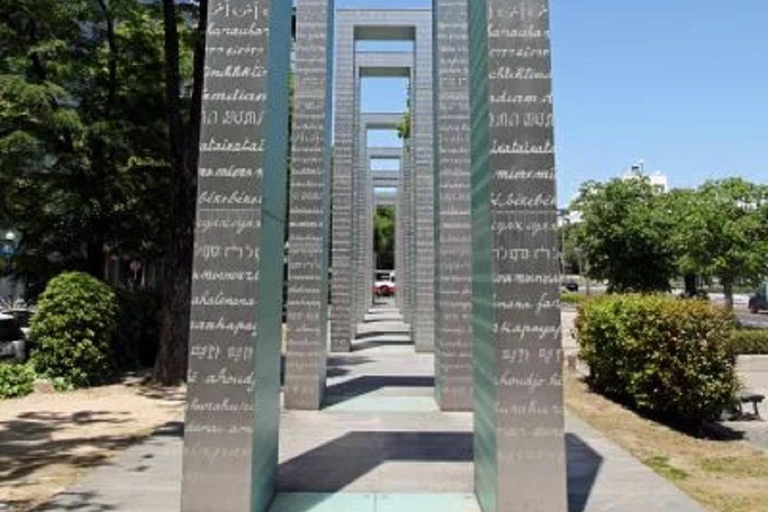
(384, 285)
(13, 343)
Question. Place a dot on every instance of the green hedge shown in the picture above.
(16, 380)
(750, 342)
(572, 298)
(665, 357)
(73, 330)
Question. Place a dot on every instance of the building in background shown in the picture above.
(658, 179)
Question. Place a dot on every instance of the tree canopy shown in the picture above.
(625, 235)
(384, 236)
(83, 138)
(638, 238)
(721, 230)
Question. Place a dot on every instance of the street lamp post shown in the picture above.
(10, 239)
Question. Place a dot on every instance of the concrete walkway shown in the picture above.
(753, 372)
(380, 445)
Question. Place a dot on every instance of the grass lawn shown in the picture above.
(724, 476)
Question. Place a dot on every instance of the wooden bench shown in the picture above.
(746, 397)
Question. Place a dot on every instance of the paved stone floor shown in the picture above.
(380, 445)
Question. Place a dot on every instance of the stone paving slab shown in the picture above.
(601, 476)
(318, 502)
(382, 446)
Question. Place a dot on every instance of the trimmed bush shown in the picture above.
(572, 298)
(16, 380)
(665, 357)
(750, 342)
(73, 330)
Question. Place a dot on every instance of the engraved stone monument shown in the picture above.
(519, 439)
(230, 438)
(342, 325)
(479, 204)
(309, 208)
(453, 326)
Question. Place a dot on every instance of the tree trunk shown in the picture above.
(112, 60)
(171, 364)
(728, 292)
(691, 290)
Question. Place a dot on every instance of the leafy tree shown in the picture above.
(722, 231)
(624, 235)
(82, 151)
(568, 248)
(384, 236)
(99, 123)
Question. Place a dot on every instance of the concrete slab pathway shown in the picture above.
(380, 445)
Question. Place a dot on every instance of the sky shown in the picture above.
(681, 84)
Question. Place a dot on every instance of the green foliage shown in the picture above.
(384, 236)
(572, 298)
(663, 356)
(16, 380)
(637, 238)
(73, 328)
(404, 127)
(722, 231)
(750, 342)
(83, 133)
(566, 244)
(625, 235)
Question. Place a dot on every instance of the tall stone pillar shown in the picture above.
(359, 201)
(410, 221)
(230, 452)
(342, 311)
(307, 308)
(370, 251)
(453, 326)
(402, 263)
(520, 459)
(422, 133)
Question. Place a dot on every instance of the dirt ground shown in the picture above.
(49, 440)
(725, 476)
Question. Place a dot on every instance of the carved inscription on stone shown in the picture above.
(342, 315)
(454, 272)
(422, 147)
(220, 406)
(527, 280)
(520, 206)
(309, 209)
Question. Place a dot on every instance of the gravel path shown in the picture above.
(49, 440)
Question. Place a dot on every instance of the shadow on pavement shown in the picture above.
(583, 466)
(334, 465)
(347, 390)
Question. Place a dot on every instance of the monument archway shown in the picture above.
(477, 192)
